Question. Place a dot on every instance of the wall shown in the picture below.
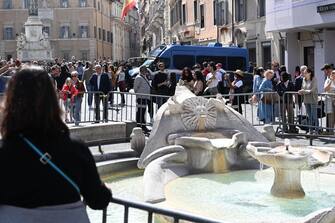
(290, 14)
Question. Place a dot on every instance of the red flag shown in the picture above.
(127, 6)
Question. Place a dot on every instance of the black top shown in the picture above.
(281, 89)
(298, 83)
(26, 182)
(160, 77)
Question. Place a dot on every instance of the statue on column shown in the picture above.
(33, 8)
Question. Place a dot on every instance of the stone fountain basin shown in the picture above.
(223, 134)
(287, 164)
(298, 157)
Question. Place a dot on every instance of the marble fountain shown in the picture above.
(203, 157)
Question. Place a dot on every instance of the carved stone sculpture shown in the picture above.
(33, 8)
(194, 135)
(137, 141)
(21, 41)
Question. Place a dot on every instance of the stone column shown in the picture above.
(292, 52)
(287, 183)
(319, 61)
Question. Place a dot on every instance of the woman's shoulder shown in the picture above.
(77, 143)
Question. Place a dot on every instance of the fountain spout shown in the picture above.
(287, 144)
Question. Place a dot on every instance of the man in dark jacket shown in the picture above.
(160, 84)
(286, 101)
(100, 83)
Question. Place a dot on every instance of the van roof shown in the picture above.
(205, 50)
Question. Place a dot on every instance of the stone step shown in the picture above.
(113, 155)
(118, 165)
(104, 131)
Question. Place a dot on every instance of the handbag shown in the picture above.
(270, 98)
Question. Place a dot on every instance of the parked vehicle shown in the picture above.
(136, 61)
(176, 57)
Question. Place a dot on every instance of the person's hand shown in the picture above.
(254, 99)
(300, 92)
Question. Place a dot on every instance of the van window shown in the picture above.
(181, 61)
(215, 59)
(235, 63)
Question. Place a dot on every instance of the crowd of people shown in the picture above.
(72, 79)
(278, 92)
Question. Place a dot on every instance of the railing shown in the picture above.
(316, 119)
(151, 210)
(142, 108)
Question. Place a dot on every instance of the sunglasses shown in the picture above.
(74, 76)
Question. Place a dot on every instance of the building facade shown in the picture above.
(86, 29)
(309, 30)
(238, 22)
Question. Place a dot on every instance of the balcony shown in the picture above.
(187, 32)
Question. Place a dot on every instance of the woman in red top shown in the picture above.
(69, 92)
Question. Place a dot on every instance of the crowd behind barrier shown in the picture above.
(289, 117)
(103, 91)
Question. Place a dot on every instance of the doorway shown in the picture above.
(266, 51)
(309, 56)
(252, 52)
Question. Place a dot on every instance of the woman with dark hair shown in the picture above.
(309, 91)
(105, 68)
(199, 83)
(64, 74)
(296, 72)
(187, 78)
(51, 185)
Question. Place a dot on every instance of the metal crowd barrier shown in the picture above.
(316, 120)
(291, 118)
(123, 107)
(151, 210)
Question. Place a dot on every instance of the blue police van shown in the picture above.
(176, 57)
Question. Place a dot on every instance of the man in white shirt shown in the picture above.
(212, 80)
(237, 88)
(329, 87)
